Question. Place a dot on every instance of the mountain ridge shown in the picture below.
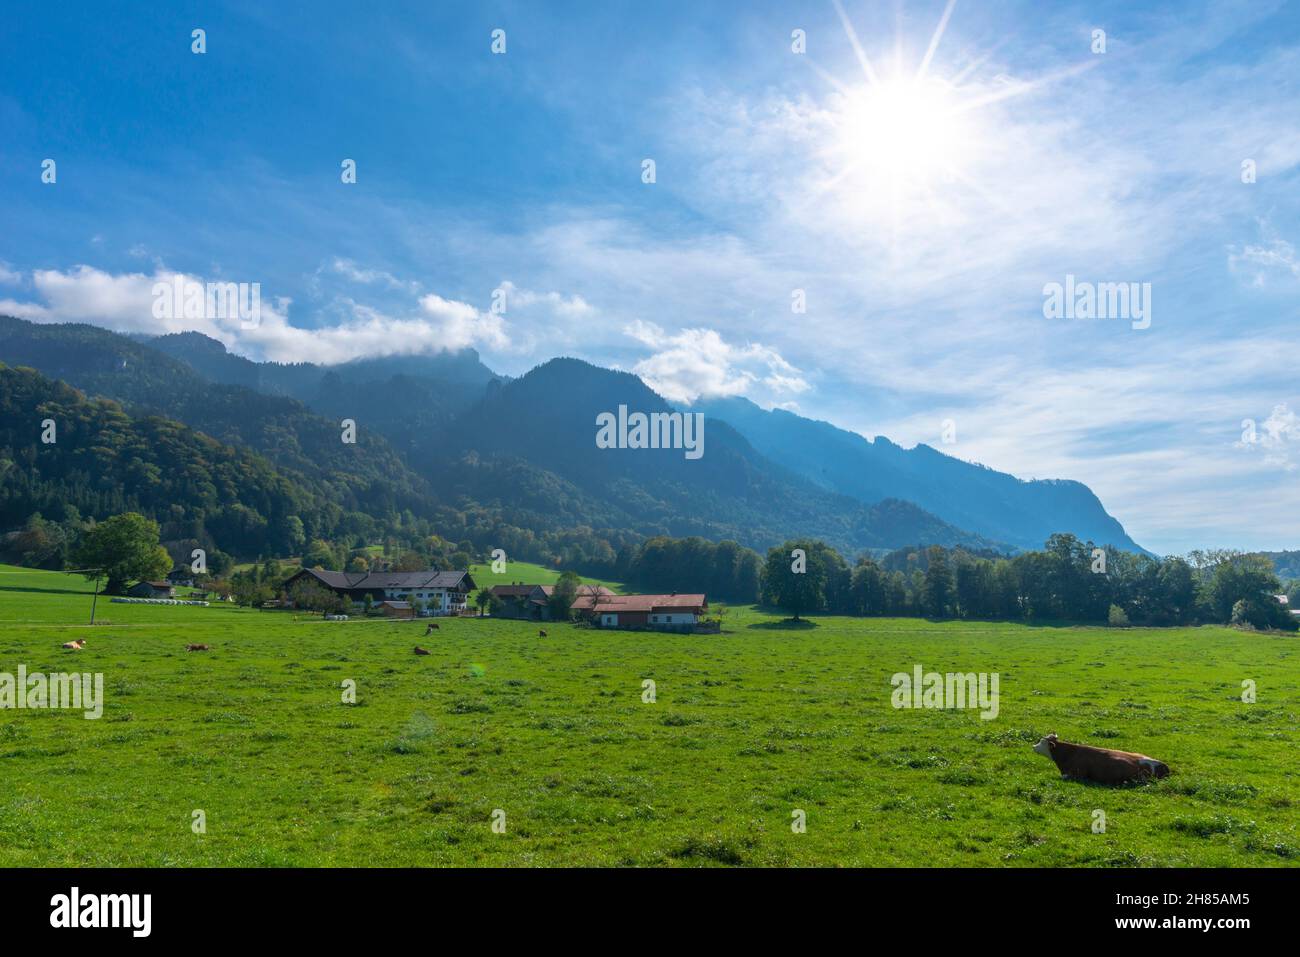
(1023, 512)
(447, 428)
(731, 492)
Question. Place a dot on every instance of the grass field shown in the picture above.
(748, 726)
(484, 577)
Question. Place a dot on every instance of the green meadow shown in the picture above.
(484, 577)
(747, 728)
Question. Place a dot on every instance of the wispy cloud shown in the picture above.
(1271, 258)
(351, 271)
(1277, 437)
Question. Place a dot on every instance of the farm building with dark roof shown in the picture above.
(439, 593)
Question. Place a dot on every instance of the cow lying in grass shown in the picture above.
(421, 651)
(196, 647)
(1081, 762)
(75, 645)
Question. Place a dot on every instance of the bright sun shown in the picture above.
(905, 150)
(903, 130)
(904, 147)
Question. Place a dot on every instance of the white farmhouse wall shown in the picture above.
(673, 618)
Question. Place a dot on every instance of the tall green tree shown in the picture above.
(1241, 589)
(309, 595)
(937, 591)
(566, 590)
(123, 548)
(867, 589)
(795, 576)
(321, 554)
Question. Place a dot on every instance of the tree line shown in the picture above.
(1066, 580)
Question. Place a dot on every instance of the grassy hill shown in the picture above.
(528, 573)
(748, 726)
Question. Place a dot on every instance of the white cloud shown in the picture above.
(30, 311)
(122, 302)
(8, 275)
(570, 307)
(459, 324)
(698, 363)
(432, 323)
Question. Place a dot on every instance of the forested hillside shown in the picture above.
(104, 461)
(100, 461)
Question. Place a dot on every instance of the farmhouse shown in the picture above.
(657, 612)
(159, 589)
(532, 602)
(439, 593)
(523, 601)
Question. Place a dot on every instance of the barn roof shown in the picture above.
(512, 591)
(364, 581)
(544, 591)
(611, 603)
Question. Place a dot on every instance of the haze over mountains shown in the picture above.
(445, 431)
(971, 496)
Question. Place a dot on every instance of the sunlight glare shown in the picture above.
(904, 129)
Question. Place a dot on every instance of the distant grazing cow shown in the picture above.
(540, 633)
(420, 651)
(196, 647)
(1103, 765)
(75, 645)
(433, 626)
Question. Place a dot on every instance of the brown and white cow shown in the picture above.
(1081, 762)
(75, 645)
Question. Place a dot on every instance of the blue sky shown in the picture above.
(920, 211)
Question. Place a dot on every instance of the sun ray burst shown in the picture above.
(906, 148)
